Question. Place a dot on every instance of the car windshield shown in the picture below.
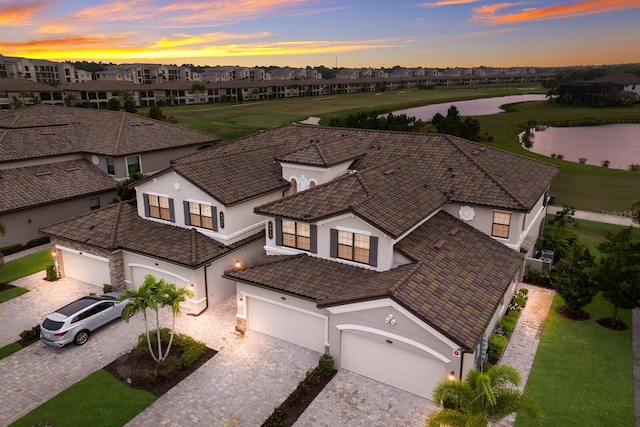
(52, 325)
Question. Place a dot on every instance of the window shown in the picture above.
(297, 235)
(294, 186)
(158, 207)
(200, 215)
(501, 222)
(354, 247)
(94, 203)
(133, 164)
(111, 168)
(312, 184)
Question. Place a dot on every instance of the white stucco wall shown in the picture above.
(305, 174)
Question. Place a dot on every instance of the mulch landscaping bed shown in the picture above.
(572, 314)
(132, 364)
(614, 324)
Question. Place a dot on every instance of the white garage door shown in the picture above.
(86, 268)
(298, 327)
(377, 359)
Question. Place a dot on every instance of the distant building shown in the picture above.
(41, 71)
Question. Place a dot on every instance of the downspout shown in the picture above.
(461, 363)
(206, 288)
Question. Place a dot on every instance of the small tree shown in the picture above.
(153, 295)
(618, 273)
(123, 189)
(572, 278)
(114, 104)
(482, 398)
(156, 113)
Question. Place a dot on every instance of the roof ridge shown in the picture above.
(115, 148)
(412, 271)
(487, 174)
(114, 233)
(194, 246)
(318, 148)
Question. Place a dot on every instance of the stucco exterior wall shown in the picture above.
(239, 220)
(352, 223)
(483, 221)
(23, 225)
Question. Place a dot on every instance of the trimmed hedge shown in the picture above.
(497, 345)
(508, 323)
(12, 249)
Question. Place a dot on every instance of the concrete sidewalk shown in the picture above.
(610, 217)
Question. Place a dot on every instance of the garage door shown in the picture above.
(86, 268)
(385, 362)
(288, 324)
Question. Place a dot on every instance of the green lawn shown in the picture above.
(9, 349)
(25, 266)
(582, 374)
(585, 187)
(99, 400)
(8, 294)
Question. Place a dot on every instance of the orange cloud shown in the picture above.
(182, 13)
(101, 47)
(490, 14)
(118, 10)
(20, 14)
(448, 3)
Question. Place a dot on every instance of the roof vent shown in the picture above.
(476, 152)
(43, 173)
(389, 171)
(440, 243)
(454, 231)
(72, 169)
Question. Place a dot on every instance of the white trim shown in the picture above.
(418, 225)
(308, 168)
(77, 252)
(200, 202)
(168, 273)
(353, 230)
(525, 232)
(285, 250)
(244, 296)
(155, 193)
(387, 302)
(350, 327)
(224, 237)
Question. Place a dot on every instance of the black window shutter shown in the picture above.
(145, 197)
(214, 218)
(373, 251)
(172, 213)
(279, 231)
(187, 216)
(313, 231)
(333, 241)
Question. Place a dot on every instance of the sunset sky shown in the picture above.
(373, 33)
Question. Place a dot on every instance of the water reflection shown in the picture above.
(619, 144)
(473, 107)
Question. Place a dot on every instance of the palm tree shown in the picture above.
(71, 100)
(153, 295)
(482, 398)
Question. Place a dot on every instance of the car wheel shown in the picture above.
(81, 337)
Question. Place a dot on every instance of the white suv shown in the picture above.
(75, 321)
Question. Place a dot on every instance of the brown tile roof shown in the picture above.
(461, 170)
(45, 131)
(118, 227)
(25, 85)
(31, 186)
(455, 288)
(393, 197)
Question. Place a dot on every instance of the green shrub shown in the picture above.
(30, 334)
(106, 288)
(38, 241)
(192, 352)
(497, 344)
(508, 325)
(11, 249)
(52, 273)
(523, 291)
(539, 277)
(169, 368)
(325, 366)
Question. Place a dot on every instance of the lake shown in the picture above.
(617, 143)
(473, 107)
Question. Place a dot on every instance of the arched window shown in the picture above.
(294, 186)
(312, 184)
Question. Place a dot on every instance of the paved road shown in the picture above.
(609, 217)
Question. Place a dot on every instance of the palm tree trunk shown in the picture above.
(146, 326)
(158, 335)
